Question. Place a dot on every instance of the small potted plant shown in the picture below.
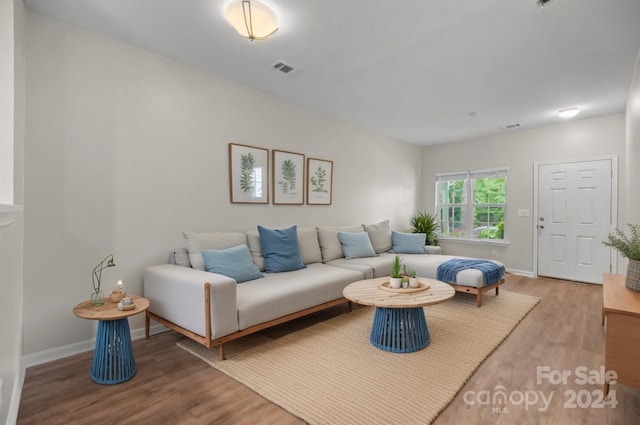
(395, 280)
(628, 247)
(413, 280)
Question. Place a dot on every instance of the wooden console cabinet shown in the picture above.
(621, 307)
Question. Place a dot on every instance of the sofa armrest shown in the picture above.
(431, 249)
(176, 294)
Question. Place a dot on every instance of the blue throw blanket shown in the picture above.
(491, 271)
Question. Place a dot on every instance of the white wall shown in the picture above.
(632, 209)
(519, 151)
(11, 219)
(6, 100)
(126, 149)
(10, 309)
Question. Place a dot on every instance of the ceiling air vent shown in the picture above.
(283, 67)
(511, 126)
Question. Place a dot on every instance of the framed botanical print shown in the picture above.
(319, 181)
(248, 174)
(288, 178)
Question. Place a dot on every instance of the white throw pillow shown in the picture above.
(255, 248)
(380, 235)
(180, 257)
(309, 246)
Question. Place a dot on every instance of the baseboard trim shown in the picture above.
(526, 273)
(46, 356)
(16, 394)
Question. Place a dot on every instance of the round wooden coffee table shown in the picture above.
(113, 360)
(399, 324)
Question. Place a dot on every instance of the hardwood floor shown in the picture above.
(173, 387)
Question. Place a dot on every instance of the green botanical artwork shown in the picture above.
(288, 169)
(318, 180)
(247, 164)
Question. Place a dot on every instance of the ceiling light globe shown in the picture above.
(252, 19)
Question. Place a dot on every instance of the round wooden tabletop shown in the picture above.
(109, 311)
(368, 292)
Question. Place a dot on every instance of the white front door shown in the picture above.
(574, 217)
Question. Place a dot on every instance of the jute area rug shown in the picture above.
(329, 373)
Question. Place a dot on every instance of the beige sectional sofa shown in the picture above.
(213, 309)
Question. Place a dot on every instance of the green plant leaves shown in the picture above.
(247, 164)
(628, 247)
(424, 222)
(318, 180)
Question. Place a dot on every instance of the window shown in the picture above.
(472, 204)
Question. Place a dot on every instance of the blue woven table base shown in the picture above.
(113, 360)
(399, 330)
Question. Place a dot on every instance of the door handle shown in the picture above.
(541, 218)
(541, 226)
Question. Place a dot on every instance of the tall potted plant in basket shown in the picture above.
(427, 223)
(628, 247)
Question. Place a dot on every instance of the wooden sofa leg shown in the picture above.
(498, 290)
(479, 298)
(221, 352)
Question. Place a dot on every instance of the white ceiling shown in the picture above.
(420, 71)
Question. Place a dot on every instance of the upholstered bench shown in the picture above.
(468, 280)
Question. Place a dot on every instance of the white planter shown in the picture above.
(395, 282)
(414, 282)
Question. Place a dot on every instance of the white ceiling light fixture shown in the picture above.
(252, 19)
(568, 112)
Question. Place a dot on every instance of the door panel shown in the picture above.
(574, 217)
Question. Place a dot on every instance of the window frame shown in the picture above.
(468, 201)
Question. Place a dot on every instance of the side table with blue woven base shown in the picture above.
(399, 330)
(113, 360)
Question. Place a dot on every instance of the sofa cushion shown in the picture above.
(356, 245)
(280, 249)
(253, 239)
(380, 235)
(372, 267)
(309, 246)
(280, 294)
(330, 244)
(233, 262)
(214, 240)
(407, 243)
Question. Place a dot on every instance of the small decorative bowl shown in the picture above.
(126, 304)
(115, 297)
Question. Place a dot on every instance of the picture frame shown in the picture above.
(319, 181)
(288, 178)
(248, 174)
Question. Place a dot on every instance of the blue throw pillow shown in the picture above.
(356, 245)
(407, 243)
(233, 262)
(280, 249)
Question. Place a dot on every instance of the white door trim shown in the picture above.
(614, 201)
